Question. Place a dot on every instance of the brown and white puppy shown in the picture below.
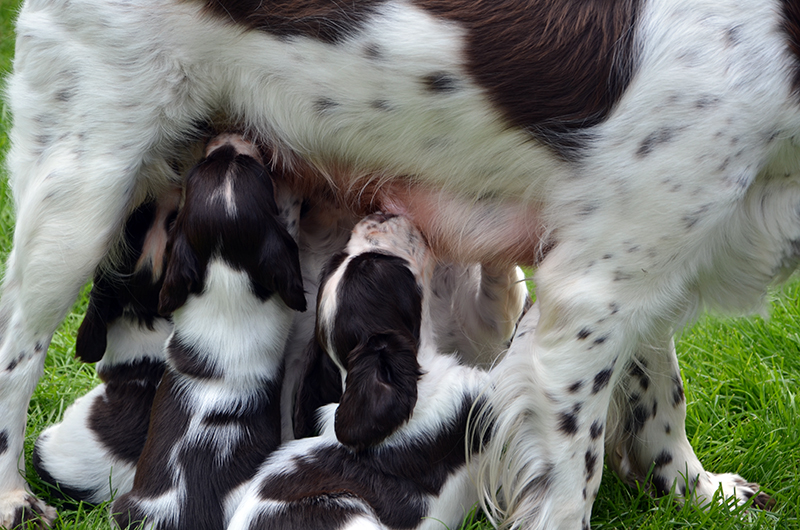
(393, 453)
(92, 452)
(232, 284)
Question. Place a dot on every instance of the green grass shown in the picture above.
(742, 380)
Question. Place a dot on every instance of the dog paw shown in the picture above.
(19, 507)
(746, 493)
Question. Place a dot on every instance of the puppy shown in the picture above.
(392, 453)
(232, 284)
(92, 452)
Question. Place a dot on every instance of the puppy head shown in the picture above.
(132, 283)
(370, 312)
(230, 213)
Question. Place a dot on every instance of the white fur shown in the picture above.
(713, 223)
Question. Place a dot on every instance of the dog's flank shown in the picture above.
(682, 193)
(392, 453)
(232, 268)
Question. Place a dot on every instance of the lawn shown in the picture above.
(741, 377)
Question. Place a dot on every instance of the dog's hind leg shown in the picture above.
(646, 434)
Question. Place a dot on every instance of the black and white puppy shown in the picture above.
(474, 311)
(92, 452)
(393, 452)
(232, 283)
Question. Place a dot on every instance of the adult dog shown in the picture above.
(649, 145)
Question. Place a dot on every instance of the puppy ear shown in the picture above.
(104, 308)
(182, 277)
(380, 390)
(320, 384)
(279, 268)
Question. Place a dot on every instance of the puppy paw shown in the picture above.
(19, 507)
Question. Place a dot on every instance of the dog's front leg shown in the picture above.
(64, 228)
(551, 397)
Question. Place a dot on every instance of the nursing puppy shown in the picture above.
(392, 453)
(232, 284)
(474, 311)
(92, 452)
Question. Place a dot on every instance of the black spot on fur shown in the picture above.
(381, 104)
(668, 428)
(568, 421)
(637, 419)
(373, 52)
(3, 442)
(602, 379)
(15, 362)
(324, 105)
(621, 276)
(600, 340)
(655, 139)
(65, 95)
(575, 387)
(691, 219)
(733, 35)
(707, 101)
(590, 459)
(333, 510)
(677, 391)
(584, 333)
(596, 430)
(440, 83)
(663, 458)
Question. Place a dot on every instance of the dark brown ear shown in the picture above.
(380, 389)
(182, 277)
(279, 268)
(104, 308)
(321, 384)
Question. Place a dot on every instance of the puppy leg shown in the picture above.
(646, 430)
(476, 308)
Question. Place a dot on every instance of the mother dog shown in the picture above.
(648, 145)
